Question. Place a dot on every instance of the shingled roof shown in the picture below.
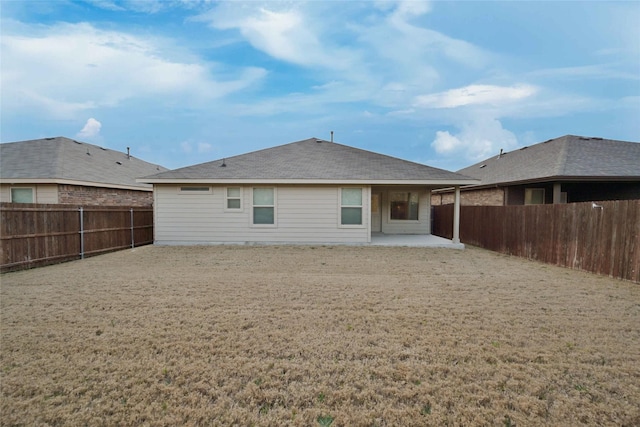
(567, 158)
(311, 160)
(63, 160)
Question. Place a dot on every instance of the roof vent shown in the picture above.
(224, 163)
(49, 139)
(118, 162)
(548, 140)
(524, 148)
(103, 149)
(483, 166)
(597, 138)
(584, 139)
(318, 140)
(501, 153)
(77, 142)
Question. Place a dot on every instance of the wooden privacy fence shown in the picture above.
(35, 234)
(603, 239)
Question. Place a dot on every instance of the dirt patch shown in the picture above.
(357, 336)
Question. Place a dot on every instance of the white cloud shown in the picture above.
(286, 34)
(204, 147)
(186, 147)
(408, 8)
(475, 95)
(478, 139)
(66, 69)
(597, 71)
(90, 130)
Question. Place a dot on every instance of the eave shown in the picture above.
(13, 181)
(547, 179)
(422, 182)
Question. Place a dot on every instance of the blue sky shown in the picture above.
(442, 83)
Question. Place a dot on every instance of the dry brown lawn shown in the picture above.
(363, 336)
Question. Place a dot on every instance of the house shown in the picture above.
(562, 170)
(310, 191)
(63, 171)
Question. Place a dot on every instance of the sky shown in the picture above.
(442, 83)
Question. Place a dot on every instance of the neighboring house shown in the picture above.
(562, 170)
(310, 191)
(61, 170)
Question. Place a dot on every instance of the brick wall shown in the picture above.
(485, 197)
(99, 196)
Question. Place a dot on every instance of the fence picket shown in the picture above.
(603, 240)
(32, 235)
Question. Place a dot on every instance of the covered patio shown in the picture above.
(401, 216)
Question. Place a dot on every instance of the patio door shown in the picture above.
(376, 212)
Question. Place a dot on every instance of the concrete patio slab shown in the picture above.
(415, 240)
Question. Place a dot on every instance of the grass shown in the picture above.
(271, 336)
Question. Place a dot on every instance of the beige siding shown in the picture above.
(43, 193)
(303, 214)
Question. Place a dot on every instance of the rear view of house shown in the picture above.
(64, 171)
(310, 191)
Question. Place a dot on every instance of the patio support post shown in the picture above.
(456, 216)
(557, 193)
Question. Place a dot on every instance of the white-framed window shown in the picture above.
(194, 189)
(404, 206)
(351, 206)
(534, 196)
(22, 195)
(264, 206)
(233, 199)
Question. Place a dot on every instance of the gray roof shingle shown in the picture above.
(310, 159)
(65, 159)
(565, 158)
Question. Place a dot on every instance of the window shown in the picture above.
(404, 206)
(351, 206)
(194, 190)
(21, 195)
(234, 199)
(264, 206)
(534, 196)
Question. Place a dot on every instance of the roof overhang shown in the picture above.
(549, 180)
(22, 181)
(423, 182)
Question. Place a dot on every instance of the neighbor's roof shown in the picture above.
(311, 161)
(65, 161)
(566, 158)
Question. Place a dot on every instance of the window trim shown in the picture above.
(361, 207)
(227, 198)
(196, 190)
(529, 191)
(33, 193)
(404, 221)
(274, 206)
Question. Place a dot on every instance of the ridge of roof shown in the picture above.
(308, 159)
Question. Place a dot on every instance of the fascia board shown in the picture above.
(439, 183)
(71, 182)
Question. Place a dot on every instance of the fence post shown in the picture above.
(132, 242)
(81, 210)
